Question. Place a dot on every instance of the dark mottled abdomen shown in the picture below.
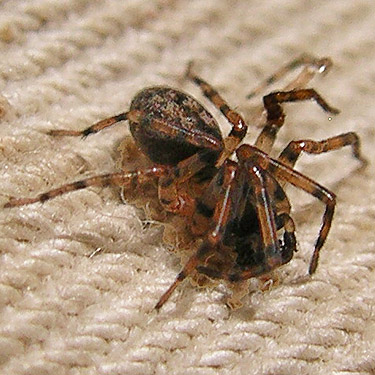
(173, 125)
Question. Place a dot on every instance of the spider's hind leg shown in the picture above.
(122, 179)
(312, 65)
(130, 115)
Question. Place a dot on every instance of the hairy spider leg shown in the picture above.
(283, 172)
(122, 179)
(130, 115)
(276, 116)
(239, 127)
(291, 152)
(312, 65)
(218, 225)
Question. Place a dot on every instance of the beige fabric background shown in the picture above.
(67, 64)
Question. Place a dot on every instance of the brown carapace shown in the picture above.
(237, 209)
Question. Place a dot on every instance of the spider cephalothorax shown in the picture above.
(237, 209)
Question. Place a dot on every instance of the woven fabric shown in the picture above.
(81, 273)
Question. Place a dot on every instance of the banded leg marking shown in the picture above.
(239, 126)
(123, 179)
(291, 153)
(286, 173)
(276, 116)
(131, 115)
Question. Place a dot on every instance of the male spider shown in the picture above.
(238, 209)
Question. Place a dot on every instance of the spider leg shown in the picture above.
(266, 218)
(123, 179)
(276, 116)
(131, 115)
(286, 253)
(239, 127)
(312, 65)
(220, 220)
(205, 203)
(291, 153)
(284, 172)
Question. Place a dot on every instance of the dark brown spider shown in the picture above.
(237, 209)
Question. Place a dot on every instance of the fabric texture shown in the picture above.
(80, 274)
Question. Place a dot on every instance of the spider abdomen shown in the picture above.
(172, 125)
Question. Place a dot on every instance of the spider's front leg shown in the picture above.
(223, 186)
(133, 115)
(272, 209)
(215, 221)
(285, 173)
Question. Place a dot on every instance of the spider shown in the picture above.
(237, 209)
